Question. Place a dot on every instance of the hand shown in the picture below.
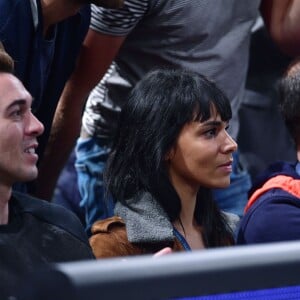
(163, 252)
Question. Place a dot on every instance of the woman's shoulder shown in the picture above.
(109, 239)
(108, 225)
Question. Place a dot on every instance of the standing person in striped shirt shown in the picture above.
(209, 37)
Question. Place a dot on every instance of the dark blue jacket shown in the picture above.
(42, 65)
(273, 211)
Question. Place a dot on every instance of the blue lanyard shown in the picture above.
(298, 168)
(181, 239)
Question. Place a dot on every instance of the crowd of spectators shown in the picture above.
(160, 107)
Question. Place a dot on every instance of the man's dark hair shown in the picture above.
(289, 90)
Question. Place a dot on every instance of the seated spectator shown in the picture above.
(170, 150)
(33, 233)
(273, 211)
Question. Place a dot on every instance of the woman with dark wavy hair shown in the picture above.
(171, 148)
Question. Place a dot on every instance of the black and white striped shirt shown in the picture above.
(206, 36)
(118, 21)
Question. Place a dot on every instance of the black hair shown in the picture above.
(289, 100)
(150, 122)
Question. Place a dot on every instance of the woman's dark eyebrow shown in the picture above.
(215, 123)
(212, 123)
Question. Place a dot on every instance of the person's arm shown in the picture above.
(282, 18)
(96, 55)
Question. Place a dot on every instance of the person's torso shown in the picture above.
(272, 212)
(209, 37)
(110, 239)
(29, 241)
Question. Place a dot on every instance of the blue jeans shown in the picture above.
(234, 198)
(90, 163)
(66, 192)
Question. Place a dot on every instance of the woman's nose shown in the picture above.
(230, 144)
